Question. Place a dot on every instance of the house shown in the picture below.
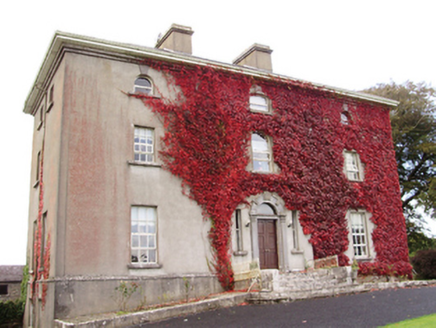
(10, 282)
(166, 176)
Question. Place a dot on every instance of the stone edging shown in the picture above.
(227, 300)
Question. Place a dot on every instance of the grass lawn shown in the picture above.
(425, 321)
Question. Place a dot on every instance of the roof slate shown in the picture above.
(11, 273)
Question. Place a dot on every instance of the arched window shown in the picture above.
(261, 152)
(259, 103)
(352, 166)
(345, 118)
(143, 86)
(345, 115)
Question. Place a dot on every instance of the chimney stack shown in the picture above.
(177, 38)
(258, 56)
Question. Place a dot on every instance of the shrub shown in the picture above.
(11, 311)
(424, 263)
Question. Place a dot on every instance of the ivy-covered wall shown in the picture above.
(206, 144)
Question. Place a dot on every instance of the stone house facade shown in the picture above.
(114, 200)
(10, 282)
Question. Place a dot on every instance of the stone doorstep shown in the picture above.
(290, 296)
(135, 318)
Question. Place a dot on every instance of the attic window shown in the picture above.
(345, 119)
(345, 115)
(143, 86)
(259, 103)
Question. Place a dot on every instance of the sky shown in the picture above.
(347, 44)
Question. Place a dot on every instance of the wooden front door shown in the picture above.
(267, 244)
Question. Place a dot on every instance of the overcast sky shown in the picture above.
(348, 44)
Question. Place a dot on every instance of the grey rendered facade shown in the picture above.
(85, 182)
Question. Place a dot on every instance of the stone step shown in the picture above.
(320, 279)
(289, 296)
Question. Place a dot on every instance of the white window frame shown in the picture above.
(259, 103)
(353, 167)
(359, 234)
(144, 145)
(143, 89)
(295, 231)
(261, 156)
(143, 235)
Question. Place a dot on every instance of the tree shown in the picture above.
(414, 135)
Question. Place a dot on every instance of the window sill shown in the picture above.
(240, 253)
(297, 251)
(261, 112)
(141, 95)
(144, 164)
(144, 266)
(262, 172)
(364, 259)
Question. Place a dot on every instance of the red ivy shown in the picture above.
(208, 127)
(42, 262)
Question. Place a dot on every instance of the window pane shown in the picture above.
(151, 242)
(265, 209)
(142, 82)
(143, 256)
(135, 241)
(142, 213)
(151, 227)
(142, 226)
(258, 103)
(261, 166)
(152, 254)
(143, 241)
(261, 156)
(258, 143)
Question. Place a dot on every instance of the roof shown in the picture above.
(62, 40)
(11, 273)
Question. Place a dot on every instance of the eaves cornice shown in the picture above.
(62, 41)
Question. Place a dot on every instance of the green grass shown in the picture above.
(425, 321)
